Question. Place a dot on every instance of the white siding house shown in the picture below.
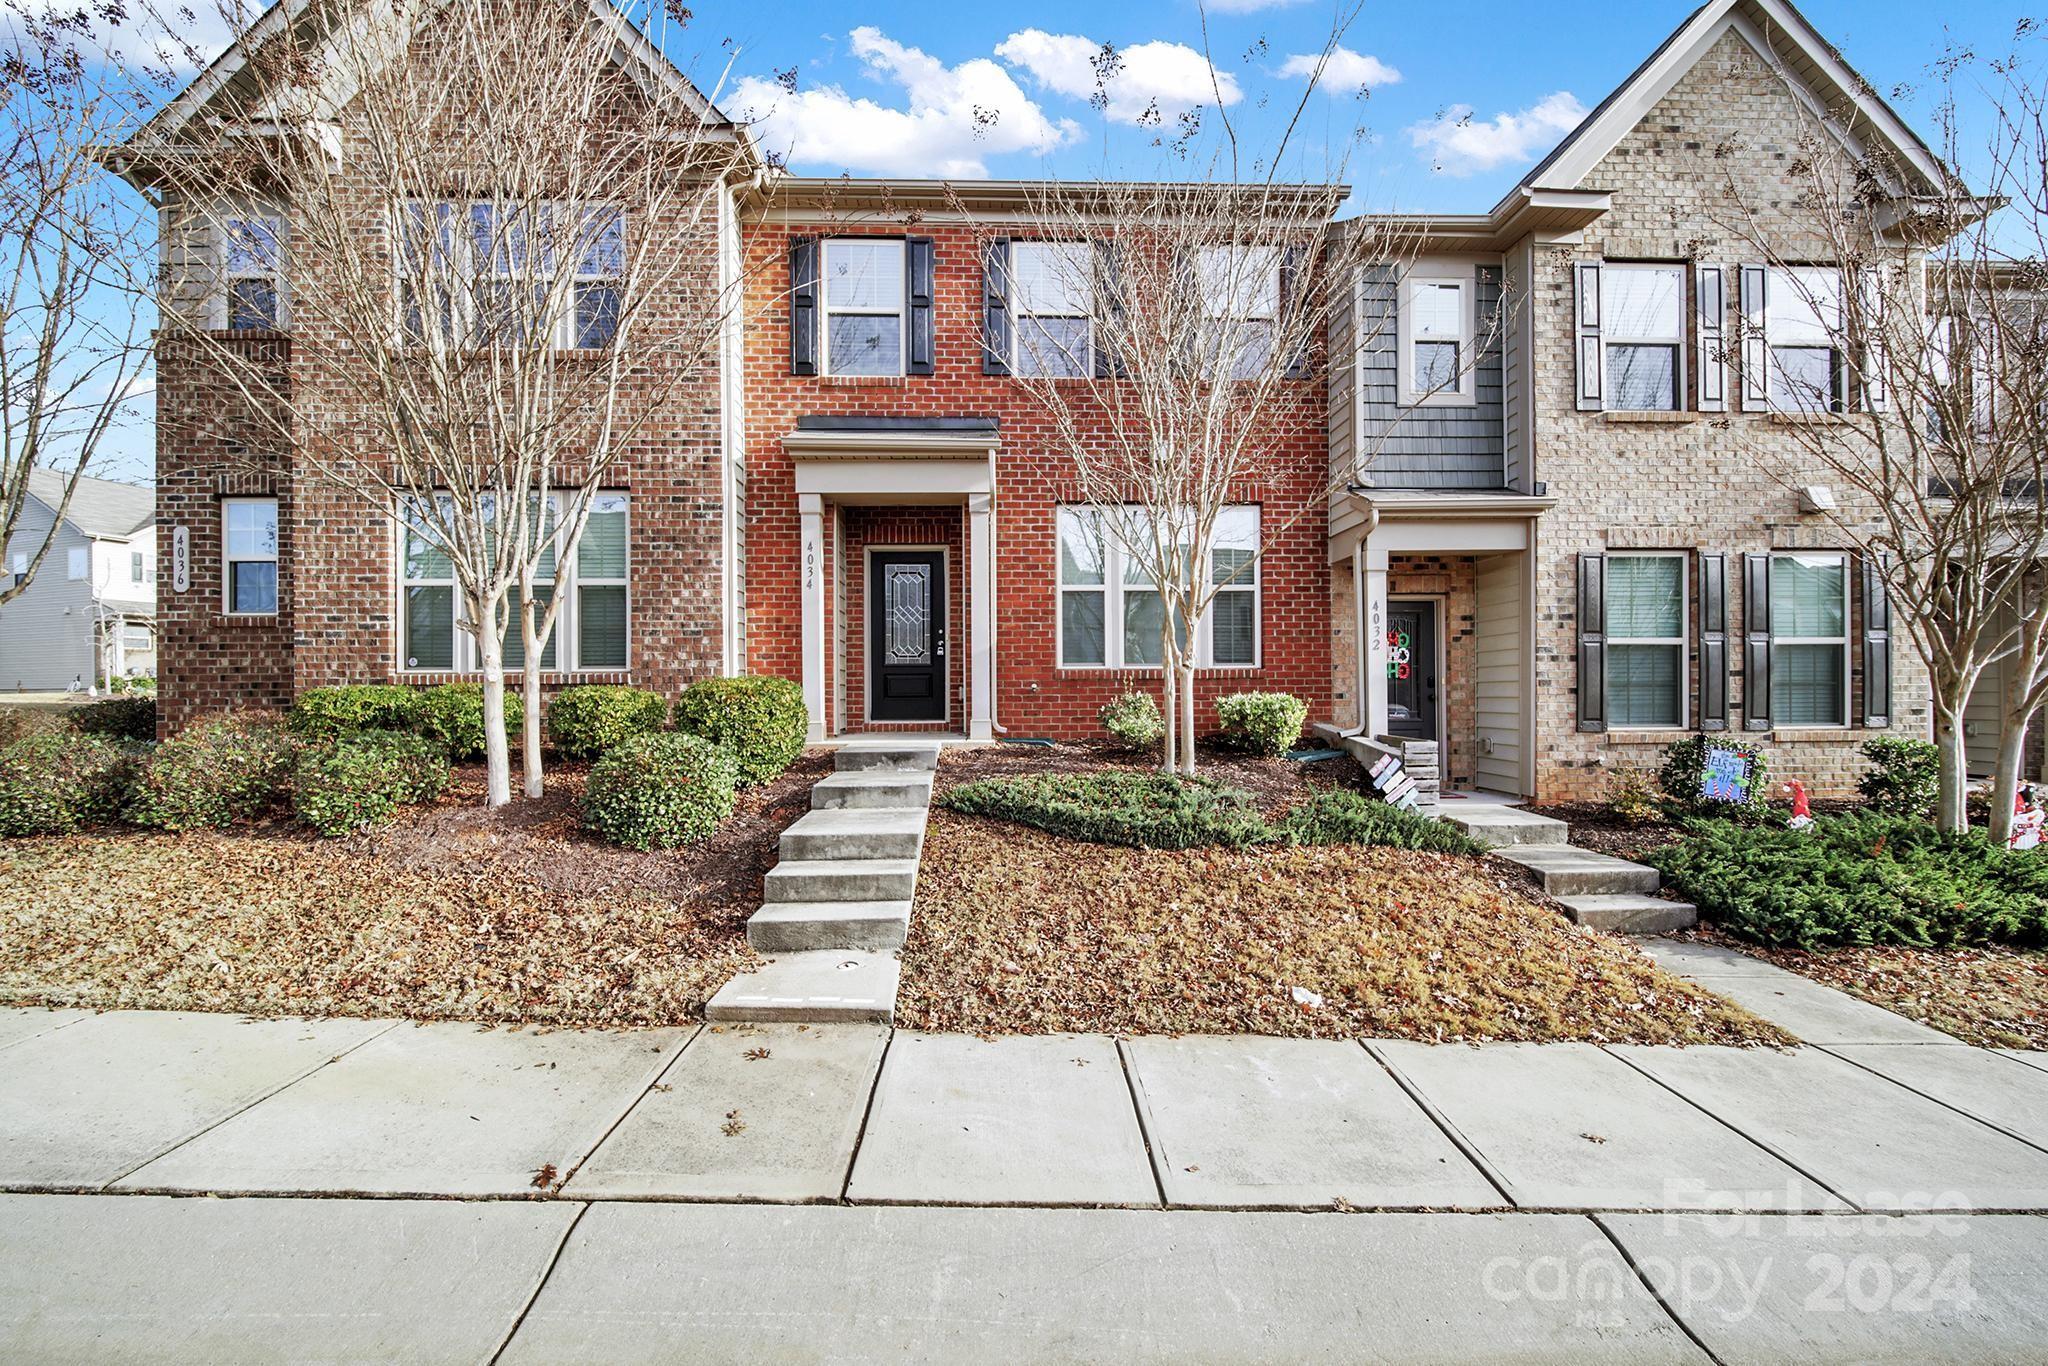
(90, 613)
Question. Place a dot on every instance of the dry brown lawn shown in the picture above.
(1017, 931)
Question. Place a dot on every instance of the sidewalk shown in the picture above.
(638, 1194)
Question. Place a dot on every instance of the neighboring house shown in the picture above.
(89, 615)
(1552, 569)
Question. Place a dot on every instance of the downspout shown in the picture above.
(1362, 648)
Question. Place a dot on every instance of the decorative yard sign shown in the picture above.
(1726, 775)
(1390, 779)
(181, 558)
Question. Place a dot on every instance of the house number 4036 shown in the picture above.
(181, 558)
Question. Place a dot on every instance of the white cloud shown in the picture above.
(1344, 72)
(1168, 77)
(953, 117)
(1459, 146)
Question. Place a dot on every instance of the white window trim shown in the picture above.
(1683, 640)
(462, 251)
(1676, 339)
(219, 311)
(228, 563)
(1087, 315)
(826, 312)
(1842, 642)
(1777, 278)
(567, 583)
(1113, 589)
(1463, 274)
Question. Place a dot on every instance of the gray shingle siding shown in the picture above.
(1434, 447)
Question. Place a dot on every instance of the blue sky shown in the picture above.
(890, 88)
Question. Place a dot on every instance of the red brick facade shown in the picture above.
(1033, 694)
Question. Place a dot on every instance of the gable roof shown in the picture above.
(99, 507)
(1790, 45)
(636, 50)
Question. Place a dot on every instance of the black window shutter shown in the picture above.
(918, 288)
(996, 328)
(1592, 642)
(1713, 642)
(1877, 647)
(1291, 283)
(1108, 305)
(1756, 642)
(803, 306)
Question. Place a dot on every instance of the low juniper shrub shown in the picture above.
(1138, 810)
(1345, 817)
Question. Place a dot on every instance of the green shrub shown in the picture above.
(215, 772)
(657, 791)
(61, 781)
(453, 713)
(1685, 764)
(1633, 797)
(1132, 719)
(1904, 777)
(1344, 817)
(585, 722)
(354, 781)
(1140, 810)
(133, 683)
(763, 721)
(118, 718)
(19, 723)
(361, 706)
(1862, 878)
(1265, 723)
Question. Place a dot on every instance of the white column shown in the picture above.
(981, 623)
(810, 511)
(1373, 625)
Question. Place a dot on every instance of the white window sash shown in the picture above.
(1410, 333)
(228, 560)
(231, 276)
(465, 273)
(1021, 356)
(828, 310)
(1840, 643)
(1113, 589)
(1682, 640)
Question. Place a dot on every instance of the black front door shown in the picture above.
(907, 636)
(1411, 670)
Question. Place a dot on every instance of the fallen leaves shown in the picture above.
(1395, 943)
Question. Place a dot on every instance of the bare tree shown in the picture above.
(76, 288)
(491, 230)
(1918, 385)
(1174, 334)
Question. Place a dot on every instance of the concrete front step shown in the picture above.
(856, 758)
(790, 926)
(1500, 827)
(842, 879)
(836, 986)
(872, 790)
(1627, 913)
(1567, 871)
(851, 833)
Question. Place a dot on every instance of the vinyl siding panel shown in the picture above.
(46, 633)
(1498, 683)
(1424, 447)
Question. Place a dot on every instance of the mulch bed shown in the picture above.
(453, 911)
(1991, 997)
(1017, 931)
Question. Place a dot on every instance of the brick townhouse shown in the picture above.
(1551, 567)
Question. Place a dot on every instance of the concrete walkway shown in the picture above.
(788, 1191)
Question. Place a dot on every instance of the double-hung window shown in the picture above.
(484, 274)
(249, 555)
(1810, 639)
(1643, 313)
(863, 298)
(138, 571)
(1645, 640)
(1052, 292)
(1241, 299)
(590, 628)
(1436, 360)
(250, 266)
(600, 278)
(1803, 319)
(1112, 614)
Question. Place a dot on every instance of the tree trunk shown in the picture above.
(529, 690)
(497, 754)
(1951, 805)
(2005, 787)
(1187, 718)
(1169, 709)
